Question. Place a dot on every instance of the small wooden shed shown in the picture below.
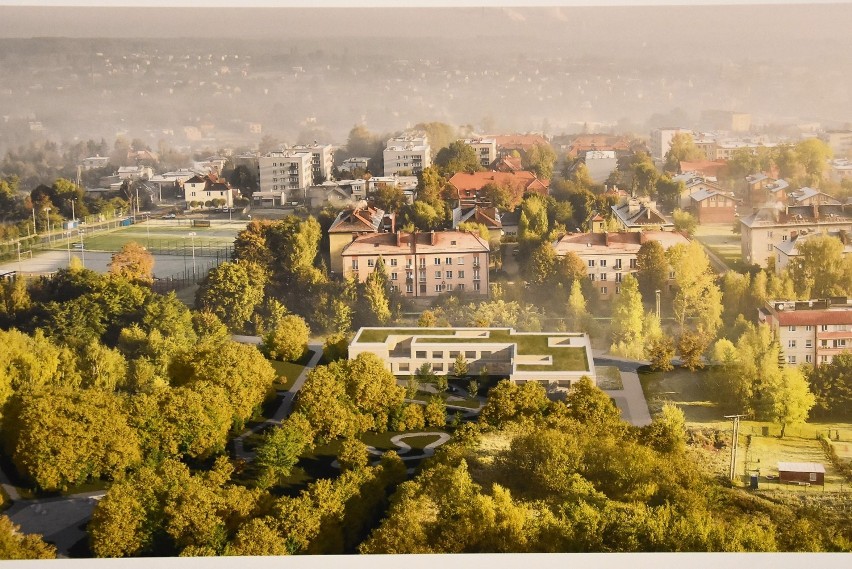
(812, 473)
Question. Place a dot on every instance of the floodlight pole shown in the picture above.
(736, 429)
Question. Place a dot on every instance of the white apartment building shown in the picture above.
(286, 172)
(322, 160)
(354, 163)
(661, 140)
(407, 154)
(93, 162)
(485, 148)
(811, 331)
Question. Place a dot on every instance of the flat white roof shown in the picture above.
(801, 467)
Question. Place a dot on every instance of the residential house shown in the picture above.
(508, 143)
(610, 256)
(584, 143)
(811, 331)
(134, 173)
(352, 223)
(769, 226)
(422, 265)
(640, 214)
(763, 190)
(710, 169)
(407, 154)
(693, 182)
(351, 164)
(509, 164)
(466, 187)
(713, 206)
(207, 188)
(555, 360)
(487, 216)
(93, 162)
(810, 196)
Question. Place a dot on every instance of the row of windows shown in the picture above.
(823, 328)
(617, 265)
(437, 261)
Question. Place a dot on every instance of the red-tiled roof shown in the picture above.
(509, 164)
(586, 142)
(705, 167)
(813, 317)
(519, 141)
(387, 244)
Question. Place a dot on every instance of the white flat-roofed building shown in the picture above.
(422, 265)
(485, 148)
(661, 140)
(407, 154)
(354, 163)
(285, 171)
(93, 162)
(322, 160)
(554, 359)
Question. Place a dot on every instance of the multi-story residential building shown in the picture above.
(725, 150)
(768, 227)
(810, 332)
(422, 265)
(840, 142)
(410, 153)
(610, 256)
(788, 250)
(206, 189)
(661, 140)
(353, 222)
(640, 214)
(485, 148)
(287, 172)
(322, 160)
(553, 359)
(693, 182)
(841, 169)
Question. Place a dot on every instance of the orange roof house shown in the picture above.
(465, 186)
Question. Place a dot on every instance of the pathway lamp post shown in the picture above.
(191, 235)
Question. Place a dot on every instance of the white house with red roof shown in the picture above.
(811, 331)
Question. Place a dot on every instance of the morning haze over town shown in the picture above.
(350, 280)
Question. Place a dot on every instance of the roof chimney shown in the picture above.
(398, 239)
(432, 237)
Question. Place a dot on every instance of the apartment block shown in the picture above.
(410, 153)
(661, 140)
(322, 160)
(810, 332)
(553, 359)
(610, 256)
(286, 172)
(772, 226)
(485, 148)
(422, 265)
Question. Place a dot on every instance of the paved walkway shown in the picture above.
(630, 399)
(287, 398)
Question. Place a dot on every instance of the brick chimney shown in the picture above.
(398, 239)
(432, 237)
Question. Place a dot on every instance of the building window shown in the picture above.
(404, 367)
(791, 328)
(824, 327)
(422, 262)
(460, 287)
(393, 276)
(603, 290)
(448, 260)
(354, 264)
(840, 343)
(476, 286)
(809, 359)
(438, 288)
(632, 263)
(449, 274)
(603, 262)
(393, 262)
(409, 288)
(591, 262)
(460, 261)
(791, 343)
(437, 274)
(437, 260)
(618, 263)
(591, 277)
(438, 367)
(823, 359)
(809, 343)
(437, 355)
(618, 290)
(454, 354)
(618, 277)
(603, 276)
(461, 274)
(671, 275)
(420, 354)
(808, 328)
(791, 359)
(423, 289)
(783, 238)
(449, 287)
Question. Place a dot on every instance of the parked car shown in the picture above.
(169, 216)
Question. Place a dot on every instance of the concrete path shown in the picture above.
(428, 450)
(630, 399)
(284, 406)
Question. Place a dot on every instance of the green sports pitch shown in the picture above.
(163, 237)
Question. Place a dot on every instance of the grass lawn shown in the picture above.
(287, 373)
(757, 440)
(162, 237)
(722, 240)
(609, 377)
(449, 399)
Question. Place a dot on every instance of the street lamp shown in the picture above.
(82, 247)
(68, 244)
(191, 235)
(73, 216)
(47, 223)
(658, 303)
(148, 230)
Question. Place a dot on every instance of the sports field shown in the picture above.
(167, 236)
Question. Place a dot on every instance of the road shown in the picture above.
(630, 399)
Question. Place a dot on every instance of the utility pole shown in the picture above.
(658, 303)
(736, 428)
(191, 235)
(82, 247)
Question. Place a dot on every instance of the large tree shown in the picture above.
(627, 318)
(653, 268)
(289, 340)
(457, 157)
(133, 262)
(231, 291)
(821, 269)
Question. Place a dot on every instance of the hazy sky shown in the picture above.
(641, 23)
